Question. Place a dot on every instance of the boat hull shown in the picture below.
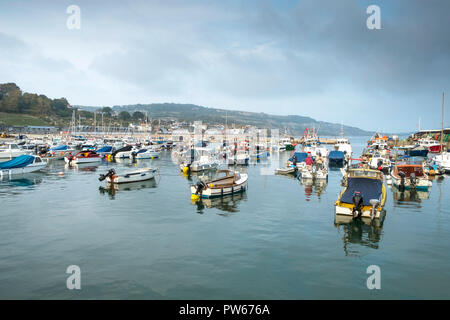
(83, 160)
(240, 186)
(134, 176)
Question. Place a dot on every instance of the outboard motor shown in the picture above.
(412, 180)
(110, 173)
(358, 204)
(374, 203)
(199, 187)
(402, 179)
(133, 155)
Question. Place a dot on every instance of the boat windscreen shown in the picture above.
(369, 188)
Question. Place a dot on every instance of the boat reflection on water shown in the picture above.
(359, 232)
(26, 181)
(228, 204)
(83, 167)
(205, 175)
(112, 188)
(408, 197)
(313, 187)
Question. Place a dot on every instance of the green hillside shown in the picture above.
(14, 119)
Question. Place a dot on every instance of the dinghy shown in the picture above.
(22, 164)
(286, 170)
(131, 176)
(224, 183)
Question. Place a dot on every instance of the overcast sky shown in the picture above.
(308, 57)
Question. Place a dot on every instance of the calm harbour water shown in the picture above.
(278, 240)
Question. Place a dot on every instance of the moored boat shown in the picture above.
(336, 158)
(21, 165)
(363, 196)
(83, 157)
(131, 176)
(224, 183)
(410, 176)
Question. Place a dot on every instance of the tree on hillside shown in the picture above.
(107, 110)
(138, 116)
(124, 116)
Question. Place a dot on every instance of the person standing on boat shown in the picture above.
(319, 161)
(309, 161)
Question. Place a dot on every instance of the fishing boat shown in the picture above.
(10, 151)
(297, 159)
(383, 164)
(313, 172)
(336, 158)
(363, 196)
(21, 165)
(410, 176)
(224, 183)
(432, 145)
(131, 176)
(343, 145)
(83, 157)
(416, 151)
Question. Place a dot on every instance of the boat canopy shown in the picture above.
(301, 156)
(336, 155)
(62, 147)
(369, 189)
(124, 149)
(19, 162)
(408, 169)
(105, 149)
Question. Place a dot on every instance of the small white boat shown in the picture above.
(224, 183)
(443, 160)
(201, 160)
(123, 153)
(150, 153)
(286, 170)
(21, 165)
(11, 151)
(83, 157)
(130, 176)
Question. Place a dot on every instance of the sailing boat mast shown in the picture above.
(442, 124)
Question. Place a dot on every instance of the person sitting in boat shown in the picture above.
(294, 160)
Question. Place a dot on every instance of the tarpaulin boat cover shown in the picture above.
(369, 188)
(301, 156)
(336, 155)
(105, 149)
(19, 162)
(59, 148)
